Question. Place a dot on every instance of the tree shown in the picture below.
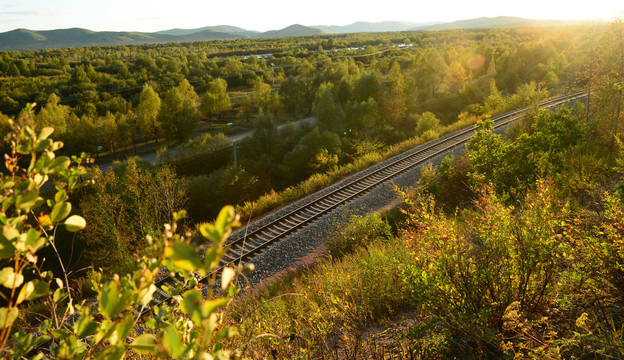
(368, 85)
(262, 95)
(178, 117)
(107, 131)
(292, 95)
(456, 76)
(216, 100)
(394, 105)
(608, 84)
(329, 114)
(425, 122)
(316, 152)
(53, 115)
(147, 111)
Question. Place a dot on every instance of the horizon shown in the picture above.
(157, 15)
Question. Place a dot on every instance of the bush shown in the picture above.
(356, 232)
(189, 327)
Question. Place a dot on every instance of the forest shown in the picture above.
(529, 220)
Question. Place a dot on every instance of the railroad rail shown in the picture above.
(248, 244)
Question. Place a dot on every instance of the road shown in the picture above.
(153, 158)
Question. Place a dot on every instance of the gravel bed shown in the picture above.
(294, 247)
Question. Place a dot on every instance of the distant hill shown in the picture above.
(495, 22)
(361, 26)
(23, 39)
(219, 28)
(292, 30)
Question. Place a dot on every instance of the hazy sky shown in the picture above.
(154, 15)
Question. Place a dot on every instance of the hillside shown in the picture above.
(219, 28)
(362, 26)
(24, 39)
(495, 22)
(292, 30)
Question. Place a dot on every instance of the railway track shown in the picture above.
(248, 244)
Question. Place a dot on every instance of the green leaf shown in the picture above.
(124, 327)
(184, 256)
(111, 299)
(225, 219)
(9, 279)
(8, 316)
(7, 249)
(209, 232)
(45, 132)
(42, 144)
(59, 295)
(212, 256)
(85, 326)
(60, 211)
(171, 341)
(34, 240)
(227, 332)
(60, 163)
(60, 333)
(61, 195)
(198, 309)
(190, 305)
(144, 344)
(75, 223)
(27, 200)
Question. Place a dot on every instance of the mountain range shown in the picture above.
(24, 39)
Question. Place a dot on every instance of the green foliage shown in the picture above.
(515, 165)
(189, 327)
(123, 209)
(356, 232)
(215, 101)
(178, 117)
(426, 122)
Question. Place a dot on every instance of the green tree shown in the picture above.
(329, 114)
(108, 134)
(178, 117)
(292, 95)
(262, 95)
(394, 105)
(425, 122)
(147, 111)
(53, 115)
(316, 152)
(368, 85)
(216, 100)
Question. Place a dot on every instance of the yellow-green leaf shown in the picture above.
(184, 256)
(60, 211)
(9, 279)
(144, 344)
(75, 223)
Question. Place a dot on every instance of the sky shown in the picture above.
(155, 15)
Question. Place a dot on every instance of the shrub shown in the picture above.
(356, 232)
(188, 327)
